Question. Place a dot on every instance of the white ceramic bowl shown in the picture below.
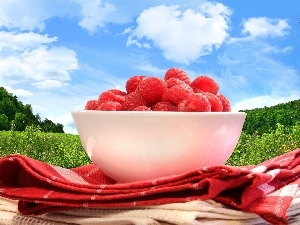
(140, 145)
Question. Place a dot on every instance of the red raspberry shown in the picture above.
(164, 106)
(215, 102)
(205, 84)
(177, 73)
(181, 106)
(91, 105)
(110, 106)
(152, 89)
(117, 92)
(110, 96)
(133, 82)
(225, 103)
(177, 93)
(142, 108)
(132, 101)
(173, 81)
(196, 102)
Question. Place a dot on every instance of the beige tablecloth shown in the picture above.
(194, 212)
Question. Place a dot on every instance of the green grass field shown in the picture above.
(65, 150)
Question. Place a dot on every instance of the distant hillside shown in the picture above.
(14, 115)
(263, 120)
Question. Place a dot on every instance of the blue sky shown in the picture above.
(55, 55)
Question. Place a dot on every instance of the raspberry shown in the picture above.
(110, 96)
(205, 84)
(117, 92)
(152, 89)
(181, 106)
(132, 101)
(215, 102)
(91, 105)
(177, 73)
(142, 108)
(110, 106)
(133, 82)
(177, 93)
(173, 81)
(164, 106)
(196, 102)
(225, 103)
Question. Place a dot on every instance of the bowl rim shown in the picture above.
(156, 113)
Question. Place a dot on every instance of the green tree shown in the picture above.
(49, 126)
(264, 120)
(7, 108)
(20, 121)
(4, 123)
(17, 116)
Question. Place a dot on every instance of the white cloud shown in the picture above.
(49, 84)
(18, 92)
(262, 27)
(66, 120)
(128, 30)
(28, 57)
(50, 63)
(70, 129)
(23, 41)
(31, 14)
(21, 14)
(94, 14)
(265, 27)
(183, 36)
(263, 101)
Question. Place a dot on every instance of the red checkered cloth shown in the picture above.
(42, 188)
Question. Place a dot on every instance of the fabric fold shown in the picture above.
(41, 188)
(194, 212)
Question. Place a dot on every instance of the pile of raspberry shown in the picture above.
(175, 92)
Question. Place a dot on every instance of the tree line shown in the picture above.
(14, 115)
(264, 120)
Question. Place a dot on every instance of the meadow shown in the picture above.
(66, 150)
